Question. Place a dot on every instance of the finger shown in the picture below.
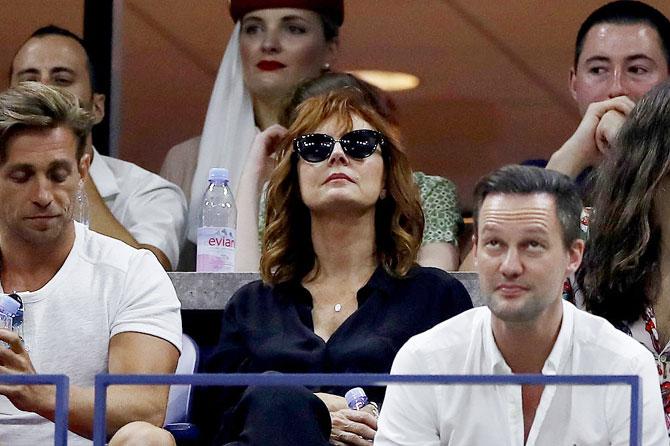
(622, 104)
(361, 430)
(349, 438)
(361, 416)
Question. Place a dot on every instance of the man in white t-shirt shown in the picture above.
(126, 202)
(92, 304)
(526, 244)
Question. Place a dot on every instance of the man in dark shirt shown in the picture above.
(622, 51)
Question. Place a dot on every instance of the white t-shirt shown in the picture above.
(492, 415)
(151, 208)
(104, 287)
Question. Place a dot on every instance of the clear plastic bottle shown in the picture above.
(80, 210)
(11, 315)
(216, 226)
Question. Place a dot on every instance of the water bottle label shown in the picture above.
(216, 250)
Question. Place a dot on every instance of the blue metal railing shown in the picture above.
(350, 380)
(62, 384)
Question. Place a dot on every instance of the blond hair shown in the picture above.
(33, 105)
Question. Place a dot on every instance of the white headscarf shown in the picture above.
(229, 129)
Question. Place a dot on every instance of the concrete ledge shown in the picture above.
(211, 291)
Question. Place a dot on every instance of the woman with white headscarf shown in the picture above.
(275, 45)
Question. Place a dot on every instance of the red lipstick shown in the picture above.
(270, 65)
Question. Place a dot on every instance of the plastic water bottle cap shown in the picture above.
(218, 174)
(8, 305)
(356, 398)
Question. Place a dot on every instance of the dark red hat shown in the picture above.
(331, 8)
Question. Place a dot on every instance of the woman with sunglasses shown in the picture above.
(341, 291)
(275, 45)
(438, 194)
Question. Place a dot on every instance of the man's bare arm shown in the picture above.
(581, 149)
(129, 353)
(104, 222)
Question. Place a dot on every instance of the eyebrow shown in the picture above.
(286, 18)
(32, 70)
(56, 164)
(627, 58)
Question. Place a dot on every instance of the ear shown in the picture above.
(474, 249)
(571, 83)
(332, 50)
(98, 107)
(574, 253)
(84, 165)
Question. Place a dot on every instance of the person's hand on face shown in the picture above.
(608, 128)
(261, 159)
(589, 137)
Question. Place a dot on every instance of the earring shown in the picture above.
(382, 194)
(326, 67)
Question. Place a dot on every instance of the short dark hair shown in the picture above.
(33, 105)
(53, 30)
(526, 180)
(626, 12)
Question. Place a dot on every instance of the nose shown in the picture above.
(511, 266)
(337, 156)
(616, 87)
(271, 43)
(42, 195)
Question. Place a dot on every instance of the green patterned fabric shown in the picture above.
(439, 203)
(440, 208)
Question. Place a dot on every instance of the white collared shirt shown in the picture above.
(152, 209)
(492, 415)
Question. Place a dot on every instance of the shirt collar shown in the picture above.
(380, 280)
(495, 363)
(102, 176)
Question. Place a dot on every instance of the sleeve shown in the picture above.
(440, 208)
(214, 404)
(230, 354)
(148, 302)
(409, 415)
(156, 215)
(654, 432)
(180, 163)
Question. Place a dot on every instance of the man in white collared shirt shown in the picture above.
(126, 202)
(526, 244)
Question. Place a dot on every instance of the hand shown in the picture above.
(261, 159)
(607, 129)
(581, 150)
(16, 361)
(352, 427)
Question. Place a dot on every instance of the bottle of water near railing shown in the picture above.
(216, 226)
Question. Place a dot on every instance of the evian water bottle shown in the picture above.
(216, 226)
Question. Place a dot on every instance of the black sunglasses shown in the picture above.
(359, 144)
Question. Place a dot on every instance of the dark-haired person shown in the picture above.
(438, 194)
(126, 202)
(622, 51)
(526, 244)
(626, 272)
(341, 291)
